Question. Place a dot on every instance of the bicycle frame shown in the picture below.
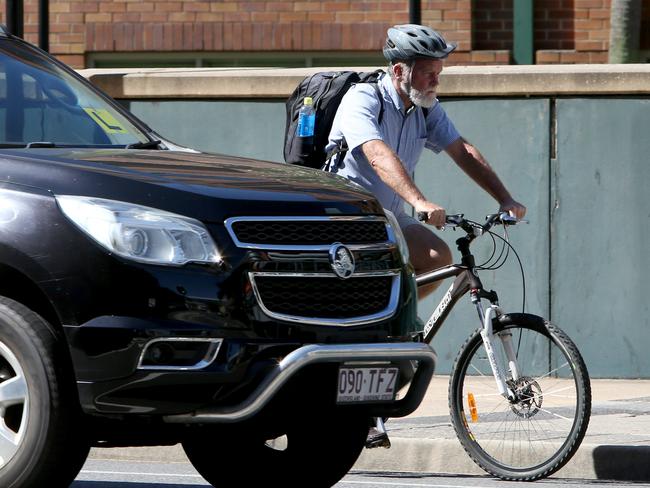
(458, 288)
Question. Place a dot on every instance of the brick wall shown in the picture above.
(645, 25)
(492, 24)
(565, 30)
(590, 19)
(554, 24)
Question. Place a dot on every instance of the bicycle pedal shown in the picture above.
(378, 440)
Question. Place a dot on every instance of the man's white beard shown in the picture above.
(418, 97)
(421, 99)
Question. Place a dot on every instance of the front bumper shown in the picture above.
(421, 355)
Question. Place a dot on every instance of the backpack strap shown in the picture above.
(381, 102)
(337, 154)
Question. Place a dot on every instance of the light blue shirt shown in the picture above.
(406, 133)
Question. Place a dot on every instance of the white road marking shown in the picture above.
(133, 473)
(401, 483)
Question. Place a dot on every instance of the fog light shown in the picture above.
(179, 353)
(159, 353)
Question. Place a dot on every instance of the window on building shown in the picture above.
(228, 60)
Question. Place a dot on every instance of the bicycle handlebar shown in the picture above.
(458, 220)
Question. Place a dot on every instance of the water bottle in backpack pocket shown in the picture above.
(305, 127)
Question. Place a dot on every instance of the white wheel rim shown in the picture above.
(13, 391)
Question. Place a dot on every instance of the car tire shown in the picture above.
(40, 436)
(315, 454)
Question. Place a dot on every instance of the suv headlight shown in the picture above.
(399, 236)
(141, 233)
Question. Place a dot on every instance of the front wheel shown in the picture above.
(41, 440)
(536, 433)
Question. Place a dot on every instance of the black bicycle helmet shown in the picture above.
(410, 41)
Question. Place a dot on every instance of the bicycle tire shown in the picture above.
(536, 435)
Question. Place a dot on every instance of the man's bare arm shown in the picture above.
(471, 161)
(392, 172)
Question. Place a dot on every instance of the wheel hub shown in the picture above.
(14, 403)
(528, 397)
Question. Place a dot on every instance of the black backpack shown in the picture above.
(326, 89)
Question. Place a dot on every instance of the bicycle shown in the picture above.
(519, 391)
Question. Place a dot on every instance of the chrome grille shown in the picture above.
(294, 278)
(307, 232)
(323, 299)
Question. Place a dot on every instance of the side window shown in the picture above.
(3, 101)
(52, 113)
(41, 101)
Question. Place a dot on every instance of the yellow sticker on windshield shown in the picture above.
(106, 121)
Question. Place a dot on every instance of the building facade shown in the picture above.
(119, 33)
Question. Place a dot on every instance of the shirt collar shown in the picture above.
(389, 89)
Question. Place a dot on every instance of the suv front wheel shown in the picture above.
(39, 440)
(317, 454)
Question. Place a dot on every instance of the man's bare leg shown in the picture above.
(428, 252)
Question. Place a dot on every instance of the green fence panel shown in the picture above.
(253, 129)
(601, 231)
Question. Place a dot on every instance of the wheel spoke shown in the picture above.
(13, 391)
(553, 414)
(537, 378)
(8, 443)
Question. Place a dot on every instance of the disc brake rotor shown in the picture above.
(529, 397)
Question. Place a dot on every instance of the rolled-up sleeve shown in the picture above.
(440, 129)
(358, 116)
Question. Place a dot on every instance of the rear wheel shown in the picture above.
(315, 454)
(39, 440)
(536, 433)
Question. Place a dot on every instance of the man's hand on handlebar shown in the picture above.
(513, 207)
(431, 214)
(475, 228)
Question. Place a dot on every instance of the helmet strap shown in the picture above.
(408, 82)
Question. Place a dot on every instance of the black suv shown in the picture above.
(258, 313)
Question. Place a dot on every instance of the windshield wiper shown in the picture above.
(41, 144)
(28, 145)
(144, 145)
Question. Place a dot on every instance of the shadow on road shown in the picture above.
(626, 463)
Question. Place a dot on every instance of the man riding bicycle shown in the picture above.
(383, 151)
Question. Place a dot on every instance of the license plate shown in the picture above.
(366, 384)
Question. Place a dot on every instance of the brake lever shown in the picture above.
(507, 219)
(452, 221)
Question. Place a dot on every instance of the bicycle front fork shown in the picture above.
(489, 342)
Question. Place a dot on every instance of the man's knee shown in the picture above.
(443, 254)
(427, 250)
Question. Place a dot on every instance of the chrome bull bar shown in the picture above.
(336, 353)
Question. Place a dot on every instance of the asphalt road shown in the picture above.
(129, 474)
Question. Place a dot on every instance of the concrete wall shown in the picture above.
(571, 143)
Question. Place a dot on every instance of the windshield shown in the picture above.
(40, 102)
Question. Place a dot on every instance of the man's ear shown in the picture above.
(398, 71)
